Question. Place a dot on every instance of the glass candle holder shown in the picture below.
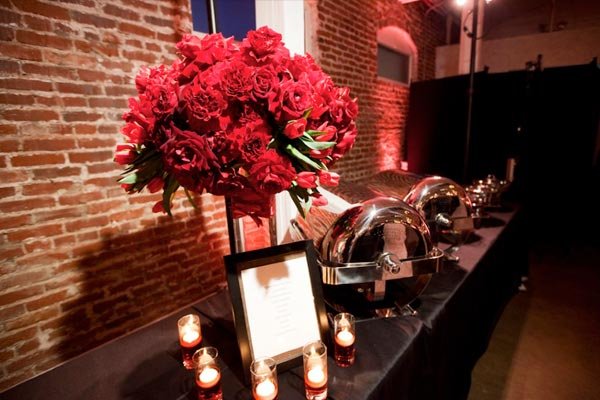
(207, 374)
(344, 336)
(263, 372)
(190, 337)
(314, 357)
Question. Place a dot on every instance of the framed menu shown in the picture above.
(277, 301)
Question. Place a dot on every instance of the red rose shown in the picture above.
(264, 45)
(135, 133)
(264, 82)
(307, 180)
(257, 137)
(295, 128)
(292, 100)
(272, 173)
(202, 104)
(155, 184)
(235, 80)
(328, 178)
(206, 51)
(252, 202)
(189, 157)
(345, 142)
(318, 200)
(125, 154)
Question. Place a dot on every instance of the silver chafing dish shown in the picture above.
(443, 203)
(376, 255)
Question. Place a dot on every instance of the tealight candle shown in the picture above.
(314, 357)
(264, 379)
(190, 337)
(208, 374)
(208, 378)
(265, 390)
(344, 336)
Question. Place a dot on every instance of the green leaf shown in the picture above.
(129, 179)
(297, 203)
(171, 186)
(307, 113)
(291, 150)
(317, 145)
(190, 199)
(314, 133)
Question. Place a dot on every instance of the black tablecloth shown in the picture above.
(427, 356)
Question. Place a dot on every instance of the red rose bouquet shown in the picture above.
(244, 121)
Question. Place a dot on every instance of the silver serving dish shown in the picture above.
(378, 240)
(377, 252)
(445, 205)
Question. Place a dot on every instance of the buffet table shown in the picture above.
(427, 356)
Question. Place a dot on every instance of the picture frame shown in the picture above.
(277, 299)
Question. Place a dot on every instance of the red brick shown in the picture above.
(57, 172)
(85, 129)
(91, 222)
(11, 98)
(25, 84)
(39, 8)
(15, 50)
(74, 101)
(8, 297)
(92, 143)
(7, 340)
(60, 58)
(107, 102)
(35, 189)
(47, 300)
(147, 57)
(78, 88)
(48, 144)
(12, 176)
(16, 221)
(80, 198)
(6, 34)
(23, 278)
(9, 146)
(151, 6)
(31, 318)
(60, 213)
(120, 90)
(102, 182)
(34, 231)
(136, 30)
(24, 205)
(104, 167)
(7, 192)
(159, 21)
(91, 156)
(37, 245)
(8, 17)
(8, 129)
(28, 347)
(37, 159)
(36, 39)
(91, 76)
(94, 20)
(11, 312)
(122, 12)
(30, 115)
(49, 71)
(153, 47)
(81, 116)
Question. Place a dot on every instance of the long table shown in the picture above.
(427, 356)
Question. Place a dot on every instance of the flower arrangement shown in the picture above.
(240, 120)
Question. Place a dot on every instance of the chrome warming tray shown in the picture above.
(376, 257)
(443, 203)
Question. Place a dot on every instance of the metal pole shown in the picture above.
(212, 18)
(471, 88)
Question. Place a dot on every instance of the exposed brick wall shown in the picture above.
(343, 39)
(81, 262)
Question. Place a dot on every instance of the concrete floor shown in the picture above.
(546, 345)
